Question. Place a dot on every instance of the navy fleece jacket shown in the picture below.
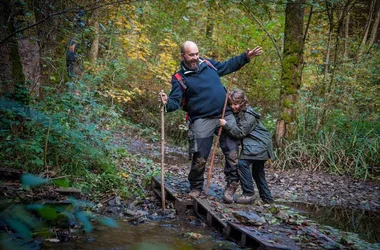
(205, 93)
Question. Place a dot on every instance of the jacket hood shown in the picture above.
(251, 111)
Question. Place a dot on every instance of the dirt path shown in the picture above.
(287, 186)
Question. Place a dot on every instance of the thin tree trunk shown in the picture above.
(346, 30)
(365, 36)
(375, 25)
(330, 15)
(210, 20)
(95, 43)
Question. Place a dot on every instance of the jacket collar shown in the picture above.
(202, 65)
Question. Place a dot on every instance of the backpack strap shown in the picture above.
(210, 64)
(181, 81)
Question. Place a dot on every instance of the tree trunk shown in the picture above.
(46, 37)
(291, 70)
(12, 77)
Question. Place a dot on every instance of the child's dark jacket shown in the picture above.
(256, 140)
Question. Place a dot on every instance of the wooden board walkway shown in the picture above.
(217, 215)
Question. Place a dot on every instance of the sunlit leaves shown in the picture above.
(164, 67)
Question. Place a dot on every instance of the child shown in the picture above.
(256, 147)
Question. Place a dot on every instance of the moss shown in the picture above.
(18, 76)
(286, 117)
(287, 103)
(290, 91)
(19, 91)
(290, 60)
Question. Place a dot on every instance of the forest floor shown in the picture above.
(290, 185)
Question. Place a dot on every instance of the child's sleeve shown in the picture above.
(241, 129)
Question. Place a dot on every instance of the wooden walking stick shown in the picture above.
(162, 152)
(217, 138)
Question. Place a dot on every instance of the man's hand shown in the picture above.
(254, 52)
(162, 97)
(222, 122)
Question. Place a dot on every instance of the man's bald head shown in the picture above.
(190, 55)
(188, 45)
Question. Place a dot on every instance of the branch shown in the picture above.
(308, 24)
(72, 10)
(273, 41)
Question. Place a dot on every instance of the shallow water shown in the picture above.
(171, 235)
(364, 223)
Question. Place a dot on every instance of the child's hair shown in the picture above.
(238, 96)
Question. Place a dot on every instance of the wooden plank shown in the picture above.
(10, 174)
(181, 206)
(64, 202)
(247, 237)
(244, 235)
(204, 211)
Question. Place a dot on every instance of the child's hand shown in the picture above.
(222, 122)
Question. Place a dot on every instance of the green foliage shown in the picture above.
(61, 132)
(335, 138)
(130, 180)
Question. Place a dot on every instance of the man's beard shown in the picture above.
(194, 66)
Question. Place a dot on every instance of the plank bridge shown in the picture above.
(211, 210)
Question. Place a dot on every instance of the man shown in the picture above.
(205, 96)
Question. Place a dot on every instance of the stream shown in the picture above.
(151, 235)
(364, 223)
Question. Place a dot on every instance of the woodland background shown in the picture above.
(75, 73)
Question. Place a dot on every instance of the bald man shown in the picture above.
(205, 96)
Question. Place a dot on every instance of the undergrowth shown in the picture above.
(72, 134)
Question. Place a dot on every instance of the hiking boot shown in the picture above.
(228, 195)
(245, 199)
(194, 193)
